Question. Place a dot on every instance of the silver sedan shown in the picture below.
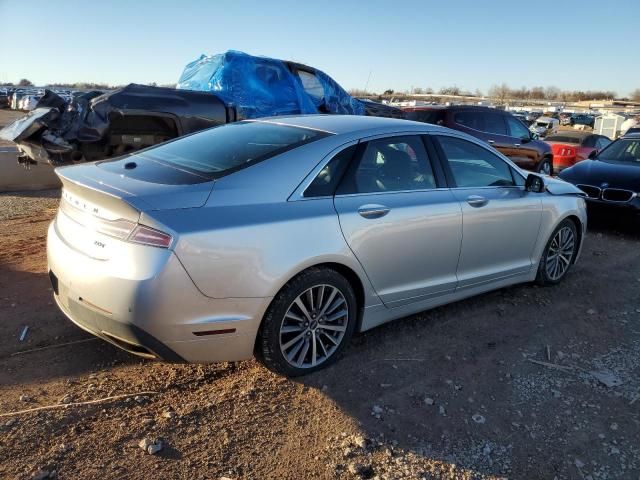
(282, 237)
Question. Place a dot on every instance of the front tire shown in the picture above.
(558, 254)
(308, 324)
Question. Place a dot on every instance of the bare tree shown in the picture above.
(24, 82)
(500, 93)
(635, 95)
(449, 91)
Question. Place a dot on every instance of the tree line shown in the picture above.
(502, 92)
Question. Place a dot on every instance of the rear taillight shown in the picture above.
(149, 236)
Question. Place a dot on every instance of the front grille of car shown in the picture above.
(617, 195)
(591, 191)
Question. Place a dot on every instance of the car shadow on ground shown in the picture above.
(27, 308)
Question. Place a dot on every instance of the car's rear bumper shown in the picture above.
(560, 162)
(152, 309)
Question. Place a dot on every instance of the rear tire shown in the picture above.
(308, 324)
(558, 254)
(545, 167)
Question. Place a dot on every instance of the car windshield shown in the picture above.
(222, 150)
(624, 150)
(563, 139)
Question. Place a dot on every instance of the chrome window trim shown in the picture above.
(298, 193)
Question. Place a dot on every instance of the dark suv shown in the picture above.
(497, 127)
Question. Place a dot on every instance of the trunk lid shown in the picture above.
(100, 208)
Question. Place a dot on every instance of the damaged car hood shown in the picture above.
(29, 125)
(555, 186)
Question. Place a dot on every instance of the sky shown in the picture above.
(570, 44)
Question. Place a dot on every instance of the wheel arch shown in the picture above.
(579, 229)
(347, 272)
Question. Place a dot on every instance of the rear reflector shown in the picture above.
(149, 236)
(222, 331)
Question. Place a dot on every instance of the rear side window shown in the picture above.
(311, 84)
(390, 165)
(220, 151)
(325, 183)
(474, 166)
(435, 117)
(469, 120)
(494, 123)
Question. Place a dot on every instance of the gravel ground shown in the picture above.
(21, 204)
(7, 117)
(524, 382)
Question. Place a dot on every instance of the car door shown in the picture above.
(524, 154)
(500, 220)
(404, 230)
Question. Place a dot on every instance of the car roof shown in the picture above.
(571, 133)
(343, 124)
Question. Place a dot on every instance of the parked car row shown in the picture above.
(26, 99)
(498, 128)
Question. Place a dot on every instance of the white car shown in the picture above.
(544, 126)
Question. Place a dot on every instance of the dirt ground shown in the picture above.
(7, 117)
(450, 393)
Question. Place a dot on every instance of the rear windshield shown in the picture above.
(563, 139)
(215, 152)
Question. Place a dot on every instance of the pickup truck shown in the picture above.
(99, 125)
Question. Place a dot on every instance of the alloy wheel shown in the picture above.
(545, 168)
(314, 326)
(560, 253)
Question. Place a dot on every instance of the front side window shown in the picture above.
(390, 165)
(474, 166)
(516, 128)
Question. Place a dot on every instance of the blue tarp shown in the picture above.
(261, 86)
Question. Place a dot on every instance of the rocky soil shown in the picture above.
(522, 383)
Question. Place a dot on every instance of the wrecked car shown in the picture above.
(212, 91)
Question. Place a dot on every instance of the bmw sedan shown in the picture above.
(611, 177)
(282, 237)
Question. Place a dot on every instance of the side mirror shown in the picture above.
(534, 183)
(535, 136)
(593, 154)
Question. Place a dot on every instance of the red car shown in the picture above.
(571, 147)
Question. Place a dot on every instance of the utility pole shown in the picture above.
(367, 84)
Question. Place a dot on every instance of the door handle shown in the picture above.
(477, 201)
(517, 145)
(372, 211)
(491, 142)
